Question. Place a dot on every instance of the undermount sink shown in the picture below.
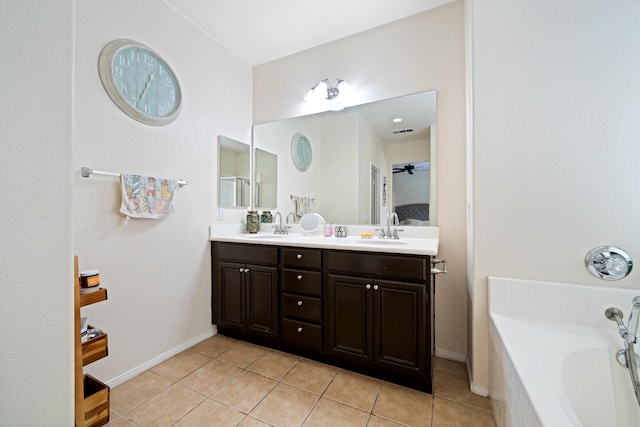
(265, 236)
(381, 242)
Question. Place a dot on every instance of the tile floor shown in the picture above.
(225, 382)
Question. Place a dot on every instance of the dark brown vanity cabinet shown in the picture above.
(365, 311)
(301, 298)
(245, 291)
(375, 321)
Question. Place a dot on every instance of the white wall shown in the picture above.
(157, 272)
(36, 258)
(419, 53)
(555, 142)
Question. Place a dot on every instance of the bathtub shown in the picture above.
(552, 355)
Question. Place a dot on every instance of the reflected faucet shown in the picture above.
(292, 215)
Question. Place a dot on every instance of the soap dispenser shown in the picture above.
(328, 230)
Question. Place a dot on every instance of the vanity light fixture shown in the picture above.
(325, 90)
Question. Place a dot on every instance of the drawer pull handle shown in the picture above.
(299, 277)
(300, 329)
(375, 287)
(299, 256)
(368, 286)
(299, 302)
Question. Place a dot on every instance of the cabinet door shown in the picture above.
(400, 326)
(261, 283)
(231, 295)
(350, 318)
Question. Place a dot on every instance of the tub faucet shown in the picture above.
(634, 319)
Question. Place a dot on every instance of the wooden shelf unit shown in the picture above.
(91, 395)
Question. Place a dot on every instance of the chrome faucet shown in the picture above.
(392, 219)
(634, 319)
(292, 215)
(279, 229)
(628, 357)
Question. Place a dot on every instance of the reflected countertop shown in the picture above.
(413, 240)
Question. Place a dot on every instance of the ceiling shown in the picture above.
(260, 31)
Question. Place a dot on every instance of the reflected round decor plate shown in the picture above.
(301, 152)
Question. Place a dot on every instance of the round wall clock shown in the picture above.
(301, 152)
(139, 82)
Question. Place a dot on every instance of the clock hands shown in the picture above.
(146, 88)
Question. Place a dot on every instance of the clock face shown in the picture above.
(139, 82)
(301, 153)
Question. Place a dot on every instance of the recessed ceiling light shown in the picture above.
(397, 120)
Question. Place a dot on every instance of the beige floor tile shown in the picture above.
(452, 414)
(310, 376)
(456, 387)
(117, 421)
(137, 390)
(451, 366)
(180, 365)
(404, 405)
(214, 346)
(330, 413)
(381, 422)
(285, 406)
(242, 354)
(244, 391)
(210, 377)
(251, 422)
(273, 364)
(357, 391)
(210, 413)
(167, 407)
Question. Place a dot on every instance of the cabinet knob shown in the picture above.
(300, 329)
(246, 270)
(300, 302)
(241, 269)
(368, 286)
(375, 287)
(299, 276)
(299, 256)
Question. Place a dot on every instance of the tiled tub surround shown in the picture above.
(552, 355)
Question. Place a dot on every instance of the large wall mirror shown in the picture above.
(266, 180)
(366, 160)
(234, 183)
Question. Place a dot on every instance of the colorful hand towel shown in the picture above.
(146, 196)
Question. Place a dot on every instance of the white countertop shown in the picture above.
(418, 240)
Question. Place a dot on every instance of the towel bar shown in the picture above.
(87, 172)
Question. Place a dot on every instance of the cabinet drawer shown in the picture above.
(302, 258)
(306, 308)
(301, 281)
(302, 333)
(397, 267)
(255, 254)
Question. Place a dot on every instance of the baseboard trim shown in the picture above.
(450, 355)
(473, 388)
(114, 382)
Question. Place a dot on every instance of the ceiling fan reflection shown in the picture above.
(406, 168)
